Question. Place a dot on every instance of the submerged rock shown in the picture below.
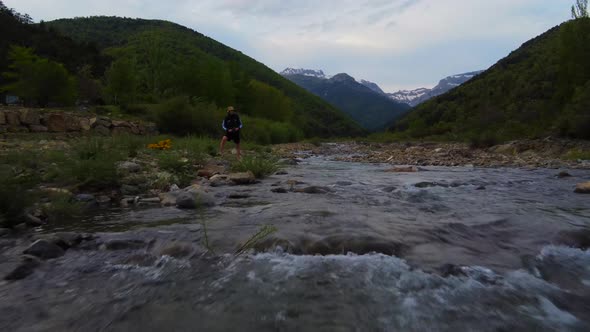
(314, 190)
(564, 174)
(24, 269)
(44, 249)
(583, 188)
(409, 169)
(124, 244)
(279, 190)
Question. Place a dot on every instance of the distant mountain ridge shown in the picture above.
(420, 95)
(360, 100)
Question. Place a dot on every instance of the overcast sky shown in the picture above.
(395, 43)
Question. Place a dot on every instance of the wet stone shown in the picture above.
(564, 174)
(124, 244)
(24, 269)
(279, 190)
(583, 188)
(44, 249)
(314, 190)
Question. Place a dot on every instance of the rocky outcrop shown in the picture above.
(23, 120)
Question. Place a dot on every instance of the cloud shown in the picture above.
(393, 42)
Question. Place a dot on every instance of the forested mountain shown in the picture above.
(542, 88)
(173, 60)
(371, 109)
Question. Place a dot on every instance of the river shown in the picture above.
(442, 249)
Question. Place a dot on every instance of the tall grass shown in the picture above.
(260, 165)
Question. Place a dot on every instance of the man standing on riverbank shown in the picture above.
(232, 126)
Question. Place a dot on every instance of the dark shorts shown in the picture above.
(233, 136)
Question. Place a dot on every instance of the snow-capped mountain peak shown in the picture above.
(417, 96)
(305, 72)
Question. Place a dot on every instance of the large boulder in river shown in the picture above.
(191, 197)
(44, 249)
(242, 178)
(583, 188)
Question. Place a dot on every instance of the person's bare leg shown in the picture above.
(238, 151)
(222, 144)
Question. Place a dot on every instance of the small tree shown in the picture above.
(38, 80)
(121, 81)
(580, 9)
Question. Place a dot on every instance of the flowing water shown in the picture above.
(443, 249)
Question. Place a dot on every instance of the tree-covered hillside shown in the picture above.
(543, 88)
(170, 60)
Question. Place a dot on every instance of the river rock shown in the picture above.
(120, 244)
(242, 178)
(409, 169)
(85, 124)
(86, 198)
(128, 189)
(29, 117)
(583, 188)
(72, 123)
(102, 130)
(12, 119)
(177, 250)
(56, 122)
(218, 180)
(26, 268)
(279, 190)
(100, 121)
(129, 167)
(193, 200)
(4, 232)
(33, 221)
(314, 190)
(564, 174)
(38, 129)
(44, 249)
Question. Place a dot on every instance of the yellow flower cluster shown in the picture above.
(161, 145)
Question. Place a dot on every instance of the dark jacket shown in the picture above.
(231, 121)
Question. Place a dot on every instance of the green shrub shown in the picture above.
(577, 154)
(482, 141)
(260, 165)
(181, 117)
(62, 207)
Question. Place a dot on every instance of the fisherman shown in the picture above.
(232, 126)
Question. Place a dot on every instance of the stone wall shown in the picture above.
(26, 120)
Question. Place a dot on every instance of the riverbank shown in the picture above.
(547, 153)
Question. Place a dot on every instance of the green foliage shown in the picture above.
(171, 60)
(264, 232)
(577, 154)
(15, 197)
(540, 89)
(261, 165)
(38, 80)
(121, 81)
(62, 207)
(181, 117)
(94, 163)
(483, 140)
